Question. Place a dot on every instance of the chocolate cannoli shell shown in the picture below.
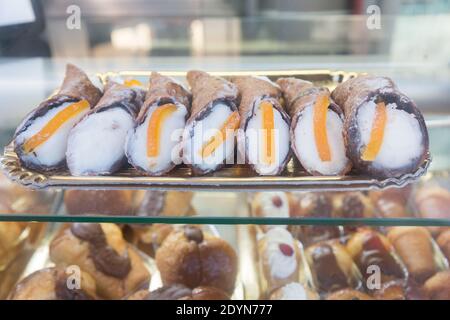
(253, 90)
(298, 95)
(76, 86)
(353, 93)
(206, 90)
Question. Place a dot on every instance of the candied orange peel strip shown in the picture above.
(231, 124)
(154, 127)
(54, 124)
(132, 83)
(268, 125)
(377, 134)
(320, 127)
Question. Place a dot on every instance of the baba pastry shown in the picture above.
(53, 284)
(101, 251)
(195, 258)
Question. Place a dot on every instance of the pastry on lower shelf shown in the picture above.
(54, 284)
(313, 205)
(294, 291)
(392, 202)
(348, 294)
(352, 205)
(148, 238)
(10, 233)
(181, 292)
(101, 251)
(104, 202)
(279, 258)
(438, 286)
(195, 258)
(369, 248)
(164, 203)
(433, 202)
(331, 266)
(444, 243)
(270, 204)
(399, 289)
(414, 246)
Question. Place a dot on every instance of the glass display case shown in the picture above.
(292, 236)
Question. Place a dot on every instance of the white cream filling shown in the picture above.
(306, 146)
(204, 130)
(265, 202)
(281, 266)
(169, 143)
(402, 142)
(293, 291)
(53, 150)
(254, 137)
(98, 141)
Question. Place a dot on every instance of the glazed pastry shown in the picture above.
(263, 141)
(96, 144)
(400, 290)
(10, 233)
(270, 204)
(316, 130)
(194, 258)
(392, 202)
(438, 286)
(313, 205)
(348, 294)
(331, 266)
(40, 140)
(279, 258)
(181, 292)
(153, 146)
(164, 203)
(52, 284)
(101, 251)
(294, 291)
(369, 248)
(444, 243)
(99, 202)
(209, 136)
(384, 131)
(414, 246)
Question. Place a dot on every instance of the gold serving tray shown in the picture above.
(232, 178)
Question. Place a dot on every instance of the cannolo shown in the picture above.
(270, 204)
(153, 147)
(348, 294)
(368, 248)
(443, 241)
(384, 132)
(391, 203)
(433, 202)
(317, 125)
(263, 140)
(294, 291)
(53, 284)
(414, 246)
(279, 257)
(101, 251)
(331, 266)
(195, 258)
(209, 136)
(96, 143)
(40, 140)
(400, 289)
(352, 205)
(438, 286)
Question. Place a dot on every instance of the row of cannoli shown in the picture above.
(94, 261)
(365, 123)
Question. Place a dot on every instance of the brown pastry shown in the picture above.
(438, 286)
(433, 203)
(414, 246)
(400, 290)
(368, 248)
(194, 258)
(313, 205)
(270, 204)
(164, 203)
(94, 202)
(392, 202)
(348, 294)
(279, 258)
(53, 284)
(294, 291)
(331, 266)
(352, 205)
(9, 239)
(148, 238)
(444, 243)
(180, 292)
(101, 251)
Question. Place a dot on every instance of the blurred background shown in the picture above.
(408, 40)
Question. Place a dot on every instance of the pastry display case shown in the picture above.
(350, 200)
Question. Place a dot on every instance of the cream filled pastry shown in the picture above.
(270, 204)
(294, 291)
